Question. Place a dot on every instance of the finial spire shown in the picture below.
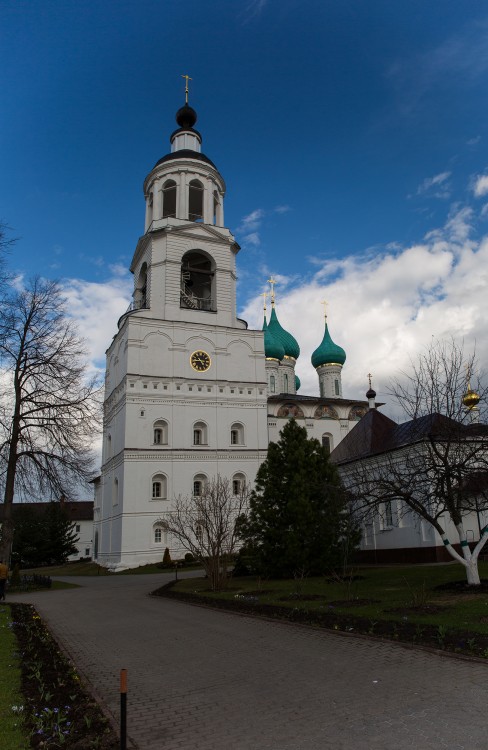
(187, 78)
(324, 303)
(272, 282)
(369, 378)
(264, 295)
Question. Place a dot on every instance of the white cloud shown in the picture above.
(96, 307)
(252, 239)
(436, 186)
(252, 220)
(384, 308)
(282, 209)
(480, 187)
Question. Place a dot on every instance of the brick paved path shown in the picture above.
(218, 681)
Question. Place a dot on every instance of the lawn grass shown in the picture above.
(12, 734)
(390, 593)
(93, 569)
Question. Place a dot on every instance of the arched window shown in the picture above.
(158, 491)
(109, 446)
(197, 290)
(200, 433)
(272, 384)
(140, 292)
(327, 442)
(237, 434)
(336, 388)
(160, 432)
(115, 492)
(199, 531)
(160, 533)
(169, 199)
(199, 481)
(285, 383)
(238, 483)
(195, 200)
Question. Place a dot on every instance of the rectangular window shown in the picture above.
(156, 489)
(236, 486)
(336, 387)
(78, 528)
(197, 437)
(87, 552)
(234, 437)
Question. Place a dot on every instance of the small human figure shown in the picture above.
(3, 579)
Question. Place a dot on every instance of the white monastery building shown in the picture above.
(190, 391)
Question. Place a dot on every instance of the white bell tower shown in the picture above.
(185, 394)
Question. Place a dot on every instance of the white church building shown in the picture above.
(190, 391)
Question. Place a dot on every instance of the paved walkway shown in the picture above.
(218, 681)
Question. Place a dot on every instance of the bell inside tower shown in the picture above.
(197, 282)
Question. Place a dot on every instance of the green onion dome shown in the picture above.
(273, 348)
(297, 382)
(289, 344)
(328, 353)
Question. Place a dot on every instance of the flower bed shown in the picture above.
(401, 629)
(57, 711)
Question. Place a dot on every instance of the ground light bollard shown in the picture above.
(123, 709)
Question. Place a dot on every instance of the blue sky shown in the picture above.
(351, 135)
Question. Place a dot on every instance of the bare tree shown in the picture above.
(435, 466)
(49, 407)
(205, 526)
(6, 243)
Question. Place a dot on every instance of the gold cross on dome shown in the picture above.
(369, 378)
(264, 295)
(187, 78)
(272, 282)
(324, 303)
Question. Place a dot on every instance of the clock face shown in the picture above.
(200, 361)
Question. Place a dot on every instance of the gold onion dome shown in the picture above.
(471, 399)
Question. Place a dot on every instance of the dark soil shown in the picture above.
(302, 598)
(422, 609)
(58, 712)
(461, 587)
(458, 641)
(352, 602)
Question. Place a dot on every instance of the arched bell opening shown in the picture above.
(197, 282)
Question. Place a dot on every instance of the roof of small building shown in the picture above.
(79, 510)
(375, 433)
(278, 397)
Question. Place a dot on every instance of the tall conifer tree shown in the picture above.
(298, 513)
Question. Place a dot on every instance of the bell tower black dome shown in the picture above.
(186, 117)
